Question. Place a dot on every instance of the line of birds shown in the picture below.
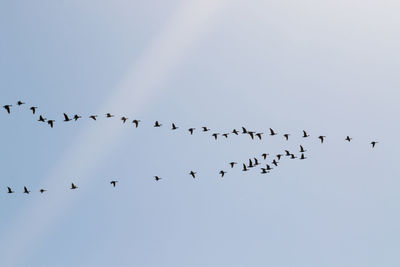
(157, 124)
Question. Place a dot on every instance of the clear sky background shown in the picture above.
(330, 67)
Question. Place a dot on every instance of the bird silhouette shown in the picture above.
(348, 138)
(51, 123)
(66, 118)
(287, 153)
(33, 109)
(157, 124)
(157, 178)
(113, 183)
(234, 131)
(373, 143)
(136, 122)
(205, 129)
(77, 117)
(305, 134)
(73, 186)
(292, 156)
(222, 173)
(42, 191)
(124, 119)
(264, 171)
(7, 107)
(232, 164)
(256, 163)
(9, 190)
(275, 163)
(259, 135)
(108, 115)
(302, 150)
(191, 130)
(26, 191)
(225, 135)
(264, 155)
(174, 127)
(272, 132)
(250, 164)
(322, 138)
(19, 103)
(279, 156)
(244, 168)
(286, 136)
(244, 130)
(93, 117)
(42, 119)
(193, 174)
(251, 134)
(269, 168)
(215, 135)
(302, 156)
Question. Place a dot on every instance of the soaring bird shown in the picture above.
(225, 135)
(193, 174)
(113, 183)
(205, 129)
(264, 171)
(302, 150)
(222, 173)
(136, 122)
(157, 178)
(348, 138)
(174, 127)
(232, 164)
(286, 136)
(77, 117)
(108, 115)
(234, 131)
(269, 168)
(33, 109)
(124, 119)
(7, 107)
(19, 103)
(259, 135)
(9, 190)
(251, 134)
(244, 130)
(244, 168)
(51, 123)
(66, 118)
(191, 130)
(272, 132)
(250, 164)
(42, 190)
(73, 186)
(26, 191)
(42, 119)
(256, 163)
(287, 153)
(302, 156)
(321, 137)
(264, 155)
(93, 117)
(373, 143)
(305, 134)
(215, 135)
(279, 156)
(275, 163)
(157, 124)
(292, 156)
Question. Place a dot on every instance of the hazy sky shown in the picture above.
(330, 67)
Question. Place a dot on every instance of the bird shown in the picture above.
(42, 190)
(259, 135)
(256, 163)
(269, 168)
(272, 133)
(234, 131)
(73, 186)
(264, 155)
(157, 178)
(287, 153)
(279, 156)
(348, 138)
(51, 123)
(157, 124)
(302, 156)
(174, 127)
(264, 171)
(222, 173)
(292, 156)
(286, 136)
(19, 103)
(232, 164)
(251, 134)
(244, 168)
(66, 118)
(215, 135)
(33, 109)
(305, 134)
(93, 117)
(250, 164)
(9, 190)
(113, 183)
(302, 150)
(42, 119)
(373, 143)
(321, 137)
(244, 130)
(136, 122)
(275, 163)
(193, 174)
(225, 135)
(7, 107)
(124, 119)
(191, 130)
(205, 129)
(108, 115)
(26, 191)
(76, 117)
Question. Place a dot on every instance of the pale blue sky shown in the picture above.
(330, 67)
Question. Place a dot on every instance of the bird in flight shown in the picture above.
(33, 109)
(136, 122)
(251, 134)
(302, 156)
(215, 135)
(264, 155)
(259, 135)
(51, 123)
(77, 117)
(244, 130)
(302, 150)
(287, 153)
(244, 168)
(225, 135)
(73, 186)
(264, 171)
(250, 164)
(232, 164)
(275, 163)
(279, 156)
(157, 178)
(42, 191)
(234, 131)
(322, 138)
(193, 174)
(174, 127)
(373, 143)
(305, 134)
(7, 107)
(205, 129)
(222, 173)
(93, 117)
(286, 136)
(157, 124)
(124, 119)
(191, 130)
(9, 190)
(42, 119)
(66, 118)
(348, 138)
(272, 132)
(19, 103)
(26, 191)
(113, 183)
(292, 156)
(269, 168)
(108, 115)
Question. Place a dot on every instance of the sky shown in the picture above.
(328, 67)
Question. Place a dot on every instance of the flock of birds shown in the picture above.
(252, 162)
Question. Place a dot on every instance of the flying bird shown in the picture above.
(205, 129)
(269, 168)
(191, 130)
(244, 168)
(66, 118)
(76, 117)
(287, 153)
(9, 190)
(251, 134)
(19, 103)
(7, 107)
(232, 164)
(225, 135)
(73, 186)
(373, 143)
(26, 191)
(124, 119)
(215, 135)
(302, 150)
(234, 131)
(305, 134)
(42, 191)
(250, 164)
(136, 122)
(286, 136)
(222, 173)
(264, 155)
(302, 156)
(93, 117)
(348, 138)
(157, 178)
(259, 135)
(108, 115)
(113, 183)
(51, 123)
(256, 162)
(174, 127)
(292, 156)
(157, 124)
(244, 130)
(33, 109)
(42, 119)
(322, 138)
(272, 132)
(279, 156)
(275, 163)
(193, 174)
(264, 171)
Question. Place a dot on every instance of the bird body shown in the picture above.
(66, 118)
(7, 108)
(51, 123)
(9, 191)
(26, 191)
(193, 174)
(113, 183)
(73, 186)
